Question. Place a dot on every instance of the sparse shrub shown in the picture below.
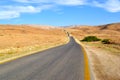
(91, 39)
(106, 41)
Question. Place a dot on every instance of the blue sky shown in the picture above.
(59, 12)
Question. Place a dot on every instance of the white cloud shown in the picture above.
(28, 6)
(109, 5)
(23, 9)
(33, 1)
(70, 2)
(8, 12)
(58, 2)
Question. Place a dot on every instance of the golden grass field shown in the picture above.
(110, 31)
(21, 39)
(104, 58)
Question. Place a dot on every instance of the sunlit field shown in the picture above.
(21, 39)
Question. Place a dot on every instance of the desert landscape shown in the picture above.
(22, 39)
(17, 40)
(59, 39)
(104, 58)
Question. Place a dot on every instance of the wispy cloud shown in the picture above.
(11, 11)
(8, 12)
(33, 1)
(70, 2)
(36, 6)
(59, 2)
(109, 5)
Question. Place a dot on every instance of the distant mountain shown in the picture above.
(114, 26)
(28, 25)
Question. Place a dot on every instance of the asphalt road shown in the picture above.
(65, 62)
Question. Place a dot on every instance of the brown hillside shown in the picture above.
(25, 35)
(115, 26)
(109, 31)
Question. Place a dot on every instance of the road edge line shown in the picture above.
(86, 61)
(20, 56)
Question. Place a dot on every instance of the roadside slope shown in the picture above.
(17, 40)
(104, 58)
(105, 64)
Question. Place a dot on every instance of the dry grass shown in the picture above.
(105, 65)
(21, 39)
(110, 31)
(104, 58)
(112, 48)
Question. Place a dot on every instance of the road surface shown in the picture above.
(65, 62)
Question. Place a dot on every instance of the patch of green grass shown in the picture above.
(91, 39)
(106, 41)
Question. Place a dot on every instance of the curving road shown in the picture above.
(65, 62)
